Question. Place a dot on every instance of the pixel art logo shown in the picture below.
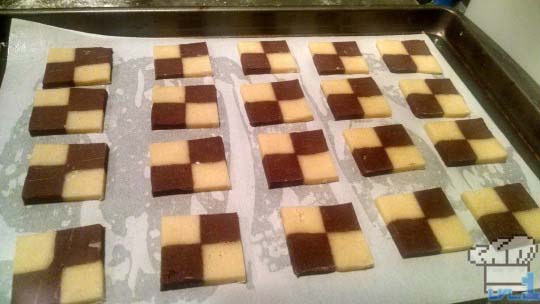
(506, 263)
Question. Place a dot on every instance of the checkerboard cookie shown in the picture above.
(408, 56)
(423, 223)
(77, 67)
(355, 98)
(275, 103)
(182, 61)
(504, 211)
(338, 58)
(188, 166)
(64, 266)
(383, 149)
(201, 250)
(60, 172)
(300, 158)
(68, 110)
(465, 142)
(429, 98)
(266, 57)
(325, 239)
(180, 107)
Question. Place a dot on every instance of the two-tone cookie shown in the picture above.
(201, 250)
(299, 158)
(184, 60)
(504, 211)
(325, 239)
(408, 56)
(355, 98)
(429, 98)
(383, 149)
(62, 172)
(338, 58)
(69, 67)
(275, 103)
(266, 57)
(64, 266)
(465, 142)
(423, 223)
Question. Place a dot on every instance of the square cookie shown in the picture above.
(182, 61)
(64, 266)
(68, 110)
(504, 211)
(181, 107)
(355, 98)
(465, 142)
(423, 223)
(77, 67)
(300, 158)
(383, 149)
(201, 250)
(408, 56)
(188, 166)
(64, 173)
(275, 103)
(325, 239)
(266, 57)
(338, 58)
(430, 98)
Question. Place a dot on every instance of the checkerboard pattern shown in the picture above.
(181, 107)
(504, 211)
(63, 266)
(325, 239)
(266, 57)
(68, 110)
(187, 166)
(465, 142)
(59, 172)
(275, 103)
(338, 58)
(182, 61)
(423, 223)
(409, 56)
(201, 250)
(430, 98)
(77, 67)
(355, 98)
(383, 149)
(300, 158)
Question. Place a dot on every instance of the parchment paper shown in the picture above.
(132, 216)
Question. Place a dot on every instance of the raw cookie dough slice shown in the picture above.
(383, 149)
(291, 159)
(64, 266)
(325, 239)
(187, 166)
(465, 142)
(429, 98)
(181, 107)
(62, 173)
(355, 98)
(184, 60)
(266, 57)
(408, 56)
(68, 110)
(275, 103)
(77, 67)
(338, 58)
(504, 211)
(423, 223)
(201, 250)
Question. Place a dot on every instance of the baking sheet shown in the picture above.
(132, 216)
